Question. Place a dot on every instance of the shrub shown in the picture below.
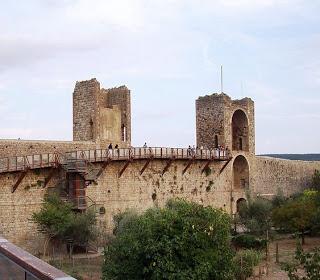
(58, 221)
(308, 265)
(256, 215)
(248, 241)
(245, 261)
(181, 241)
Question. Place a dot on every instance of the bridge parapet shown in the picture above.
(36, 161)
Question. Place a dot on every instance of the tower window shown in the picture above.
(216, 142)
(124, 133)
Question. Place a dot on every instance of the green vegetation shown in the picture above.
(296, 214)
(316, 180)
(248, 241)
(59, 222)
(245, 261)
(181, 241)
(255, 215)
(308, 265)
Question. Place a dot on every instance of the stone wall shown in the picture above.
(290, 176)
(120, 96)
(140, 192)
(9, 148)
(210, 123)
(115, 194)
(86, 110)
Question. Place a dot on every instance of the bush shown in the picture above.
(306, 265)
(245, 261)
(181, 241)
(256, 215)
(248, 241)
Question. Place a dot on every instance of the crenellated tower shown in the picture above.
(101, 115)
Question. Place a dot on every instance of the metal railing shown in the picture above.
(21, 163)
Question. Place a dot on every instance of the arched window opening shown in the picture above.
(216, 141)
(240, 202)
(91, 129)
(240, 134)
(124, 133)
(240, 173)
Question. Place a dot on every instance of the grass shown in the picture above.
(81, 269)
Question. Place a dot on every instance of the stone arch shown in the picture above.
(239, 202)
(240, 131)
(240, 173)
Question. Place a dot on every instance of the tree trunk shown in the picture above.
(302, 238)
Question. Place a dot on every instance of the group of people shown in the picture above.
(218, 152)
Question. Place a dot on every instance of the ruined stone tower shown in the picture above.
(221, 121)
(101, 115)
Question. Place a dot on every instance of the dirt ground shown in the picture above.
(287, 249)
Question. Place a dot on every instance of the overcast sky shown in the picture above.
(168, 53)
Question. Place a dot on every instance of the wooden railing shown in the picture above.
(22, 163)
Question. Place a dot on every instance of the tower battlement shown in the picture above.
(221, 121)
(101, 115)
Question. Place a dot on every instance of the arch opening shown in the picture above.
(216, 141)
(240, 173)
(240, 202)
(240, 134)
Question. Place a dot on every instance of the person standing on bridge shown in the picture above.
(110, 149)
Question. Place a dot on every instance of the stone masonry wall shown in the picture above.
(10, 148)
(131, 190)
(140, 192)
(86, 110)
(290, 176)
(120, 96)
(210, 120)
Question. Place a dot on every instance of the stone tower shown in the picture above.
(101, 115)
(221, 121)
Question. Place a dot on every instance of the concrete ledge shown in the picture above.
(30, 263)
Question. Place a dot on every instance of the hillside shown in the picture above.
(306, 157)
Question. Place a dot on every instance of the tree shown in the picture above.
(295, 215)
(255, 215)
(181, 241)
(309, 263)
(316, 180)
(59, 222)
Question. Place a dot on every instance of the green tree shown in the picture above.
(59, 222)
(308, 262)
(316, 180)
(255, 215)
(295, 215)
(183, 240)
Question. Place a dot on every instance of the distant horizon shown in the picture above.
(269, 51)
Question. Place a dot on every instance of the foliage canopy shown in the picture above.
(180, 241)
(57, 219)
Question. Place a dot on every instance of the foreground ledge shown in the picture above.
(16, 262)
